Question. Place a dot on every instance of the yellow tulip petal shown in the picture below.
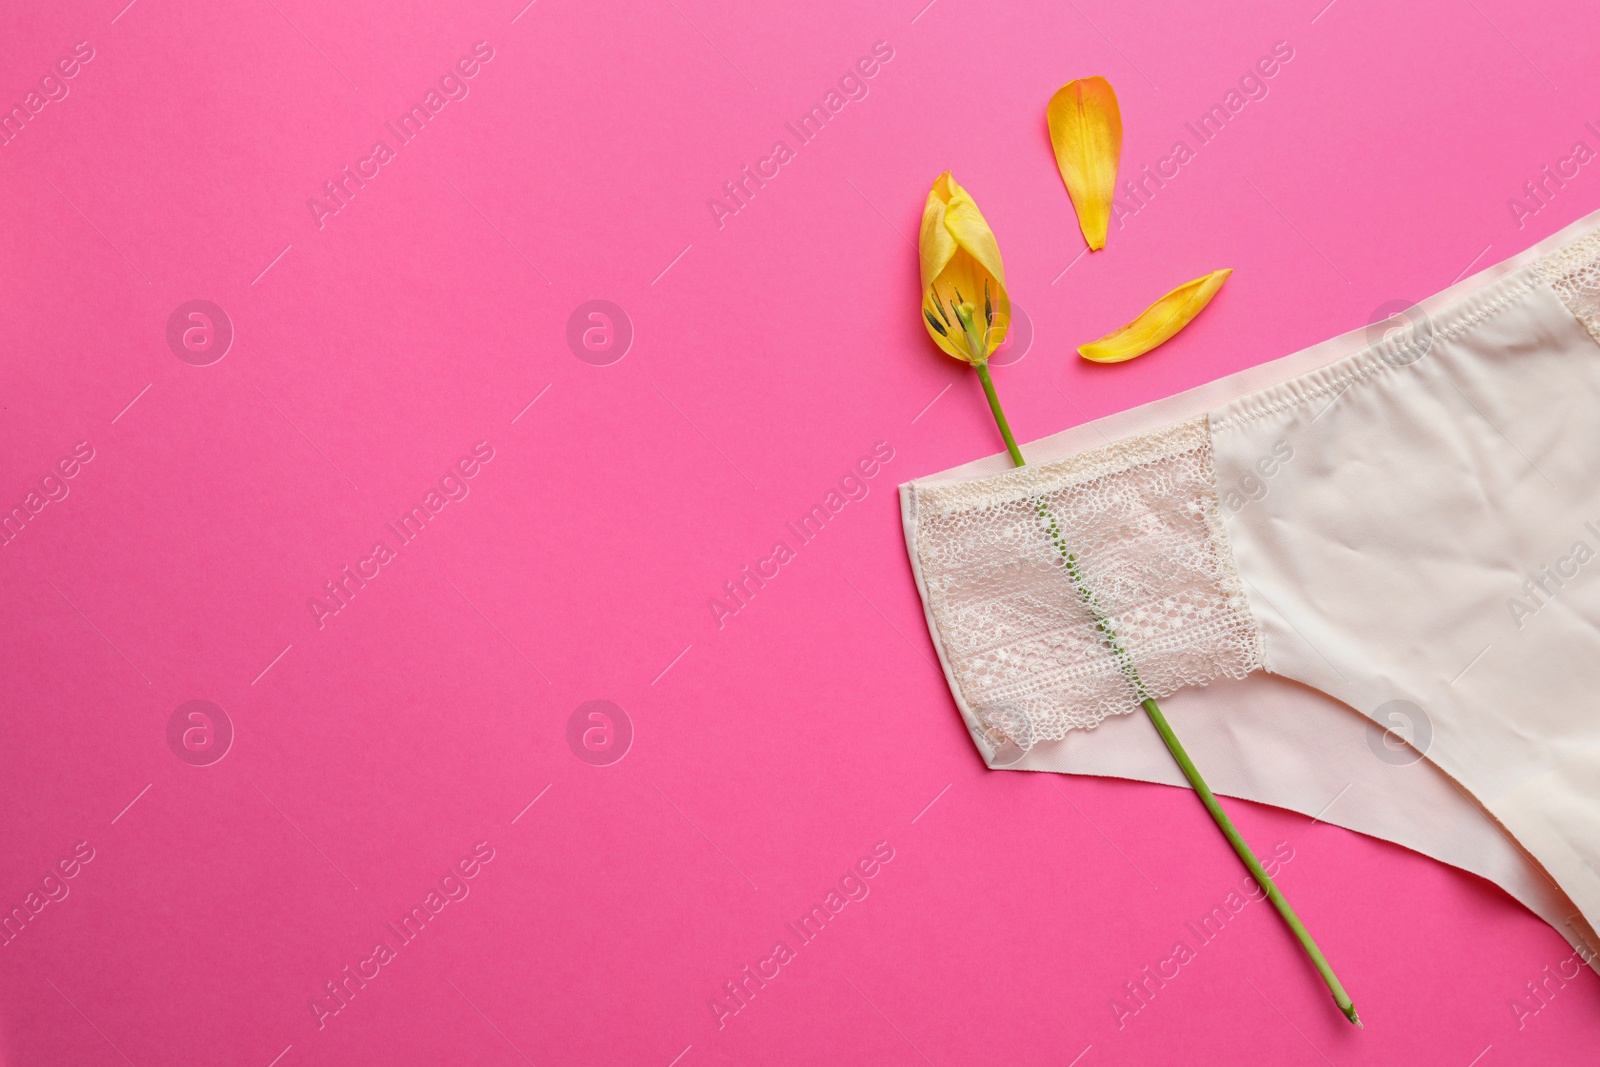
(965, 308)
(1086, 131)
(968, 226)
(1158, 322)
(936, 246)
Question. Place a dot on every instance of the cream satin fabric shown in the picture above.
(1388, 505)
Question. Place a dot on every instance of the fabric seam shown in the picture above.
(1364, 365)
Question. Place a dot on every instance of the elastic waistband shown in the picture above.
(1423, 329)
(1318, 371)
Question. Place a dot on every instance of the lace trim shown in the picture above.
(1573, 271)
(1142, 520)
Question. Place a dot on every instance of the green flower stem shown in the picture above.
(999, 415)
(1152, 709)
(1298, 928)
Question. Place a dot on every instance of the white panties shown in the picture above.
(1401, 522)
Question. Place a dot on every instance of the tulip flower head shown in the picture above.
(964, 302)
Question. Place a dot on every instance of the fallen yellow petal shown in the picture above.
(1158, 322)
(1086, 131)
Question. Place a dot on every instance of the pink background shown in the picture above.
(770, 354)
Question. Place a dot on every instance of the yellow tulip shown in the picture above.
(1158, 322)
(1086, 131)
(964, 302)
